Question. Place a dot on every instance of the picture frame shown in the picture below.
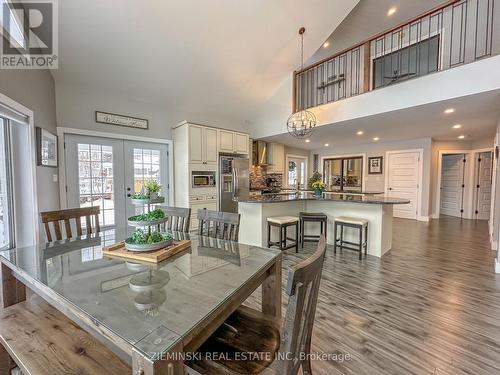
(375, 165)
(121, 120)
(46, 148)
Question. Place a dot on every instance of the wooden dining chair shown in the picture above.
(222, 225)
(250, 331)
(76, 214)
(178, 218)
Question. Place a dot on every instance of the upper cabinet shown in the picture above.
(232, 142)
(200, 144)
(276, 158)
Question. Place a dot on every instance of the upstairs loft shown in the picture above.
(454, 34)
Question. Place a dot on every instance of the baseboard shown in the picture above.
(494, 245)
(435, 216)
(423, 218)
(497, 265)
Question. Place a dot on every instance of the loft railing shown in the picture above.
(456, 33)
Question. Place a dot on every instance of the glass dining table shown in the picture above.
(151, 315)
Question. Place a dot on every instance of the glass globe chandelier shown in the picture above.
(301, 123)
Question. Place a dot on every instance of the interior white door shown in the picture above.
(483, 201)
(452, 185)
(94, 176)
(403, 182)
(144, 161)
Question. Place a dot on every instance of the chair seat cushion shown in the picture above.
(313, 215)
(283, 219)
(245, 331)
(351, 220)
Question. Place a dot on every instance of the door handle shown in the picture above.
(129, 195)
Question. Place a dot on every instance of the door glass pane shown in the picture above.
(146, 168)
(292, 173)
(333, 174)
(352, 174)
(96, 180)
(6, 224)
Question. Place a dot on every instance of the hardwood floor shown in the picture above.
(430, 306)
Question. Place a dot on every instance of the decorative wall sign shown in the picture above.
(114, 119)
(46, 148)
(375, 165)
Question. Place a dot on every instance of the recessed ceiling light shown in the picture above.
(326, 44)
(449, 110)
(391, 11)
(457, 126)
(461, 136)
(308, 140)
(376, 138)
(327, 144)
(361, 132)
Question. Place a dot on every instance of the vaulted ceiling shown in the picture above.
(222, 55)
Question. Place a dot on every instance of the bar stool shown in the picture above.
(351, 222)
(283, 222)
(320, 218)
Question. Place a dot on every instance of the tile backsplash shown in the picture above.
(258, 175)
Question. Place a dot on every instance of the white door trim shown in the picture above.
(420, 177)
(363, 155)
(288, 156)
(61, 131)
(470, 172)
(8, 102)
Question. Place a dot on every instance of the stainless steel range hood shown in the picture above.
(259, 153)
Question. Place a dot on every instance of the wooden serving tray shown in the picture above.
(118, 250)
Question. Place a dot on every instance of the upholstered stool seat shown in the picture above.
(313, 217)
(359, 224)
(283, 222)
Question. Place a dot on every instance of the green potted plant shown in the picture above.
(316, 176)
(319, 187)
(153, 188)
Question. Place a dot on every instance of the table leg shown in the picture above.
(12, 291)
(271, 290)
(165, 365)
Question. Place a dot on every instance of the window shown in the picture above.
(146, 167)
(343, 174)
(14, 33)
(296, 172)
(6, 217)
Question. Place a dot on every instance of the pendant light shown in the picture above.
(301, 124)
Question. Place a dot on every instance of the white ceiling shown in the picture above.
(219, 56)
(369, 18)
(478, 115)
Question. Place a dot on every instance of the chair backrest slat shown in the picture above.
(178, 218)
(222, 225)
(302, 290)
(55, 217)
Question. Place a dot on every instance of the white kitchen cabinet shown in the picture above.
(232, 142)
(241, 143)
(210, 144)
(276, 158)
(202, 145)
(196, 144)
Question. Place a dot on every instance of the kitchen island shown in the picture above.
(374, 208)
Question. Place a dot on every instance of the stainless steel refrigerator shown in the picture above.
(234, 181)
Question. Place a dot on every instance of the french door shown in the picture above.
(106, 172)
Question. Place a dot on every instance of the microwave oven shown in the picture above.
(202, 179)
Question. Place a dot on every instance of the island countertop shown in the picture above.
(335, 197)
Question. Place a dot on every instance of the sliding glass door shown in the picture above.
(6, 212)
(343, 174)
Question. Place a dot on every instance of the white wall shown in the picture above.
(35, 90)
(76, 108)
(377, 182)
